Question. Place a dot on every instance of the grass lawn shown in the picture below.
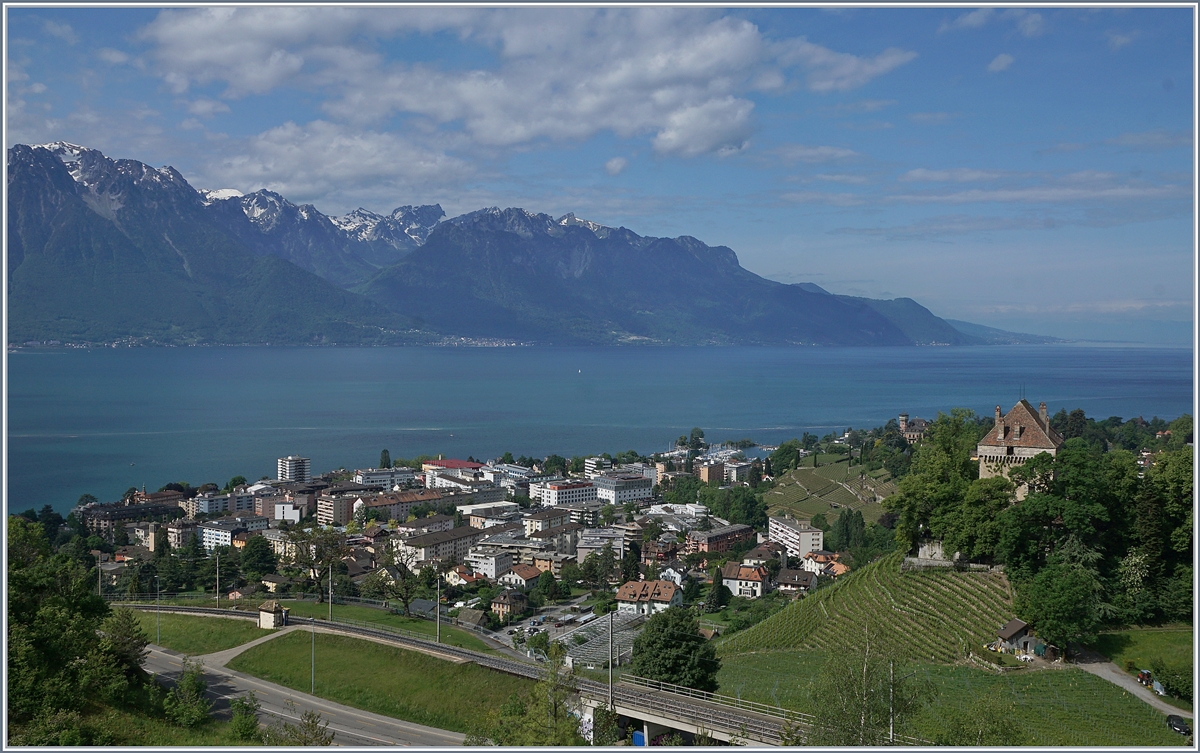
(383, 679)
(1056, 706)
(195, 635)
(1141, 645)
(450, 635)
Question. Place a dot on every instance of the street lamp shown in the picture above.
(158, 600)
(313, 622)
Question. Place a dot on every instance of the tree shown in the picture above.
(235, 482)
(258, 558)
(56, 657)
(316, 550)
(861, 692)
(671, 649)
(385, 459)
(310, 730)
(785, 458)
(402, 582)
(718, 595)
(1062, 603)
(89, 499)
(244, 723)
(548, 715)
(125, 642)
(185, 704)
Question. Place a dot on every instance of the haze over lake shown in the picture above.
(103, 420)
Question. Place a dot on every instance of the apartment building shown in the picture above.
(797, 536)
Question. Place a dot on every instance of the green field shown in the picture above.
(928, 615)
(1055, 706)
(450, 635)
(195, 635)
(1142, 645)
(383, 679)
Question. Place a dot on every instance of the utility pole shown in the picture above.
(313, 621)
(437, 610)
(218, 580)
(331, 591)
(158, 586)
(99, 573)
(610, 660)
(891, 703)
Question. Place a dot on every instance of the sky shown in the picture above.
(1028, 168)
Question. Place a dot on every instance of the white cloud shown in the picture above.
(615, 165)
(821, 197)
(38, 88)
(206, 108)
(1047, 194)
(61, 31)
(930, 118)
(955, 175)
(1150, 140)
(842, 178)
(973, 20)
(111, 56)
(801, 153)
(862, 106)
(678, 76)
(1117, 40)
(840, 71)
(1000, 62)
(321, 160)
(1028, 24)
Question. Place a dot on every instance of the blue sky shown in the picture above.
(1025, 168)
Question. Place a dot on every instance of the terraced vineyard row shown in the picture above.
(933, 616)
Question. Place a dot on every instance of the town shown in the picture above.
(579, 564)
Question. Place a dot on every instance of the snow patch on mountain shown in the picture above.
(218, 194)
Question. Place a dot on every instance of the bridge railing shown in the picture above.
(724, 700)
(797, 717)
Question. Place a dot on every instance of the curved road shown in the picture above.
(350, 726)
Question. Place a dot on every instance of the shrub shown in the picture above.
(245, 717)
(185, 704)
(1176, 678)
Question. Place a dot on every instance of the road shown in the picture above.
(1109, 671)
(350, 726)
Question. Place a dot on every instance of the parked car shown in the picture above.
(1025, 658)
(558, 624)
(1179, 724)
(512, 632)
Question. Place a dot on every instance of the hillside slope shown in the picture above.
(927, 615)
(103, 249)
(517, 274)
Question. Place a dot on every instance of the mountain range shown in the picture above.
(101, 250)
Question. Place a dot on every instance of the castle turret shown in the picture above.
(903, 422)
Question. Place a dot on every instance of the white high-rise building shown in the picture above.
(294, 468)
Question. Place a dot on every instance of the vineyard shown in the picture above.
(927, 615)
(804, 492)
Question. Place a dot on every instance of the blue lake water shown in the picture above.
(103, 420)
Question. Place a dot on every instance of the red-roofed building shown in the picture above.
(747, 581)
(648, 596)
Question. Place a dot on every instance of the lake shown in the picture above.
(100, 421)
